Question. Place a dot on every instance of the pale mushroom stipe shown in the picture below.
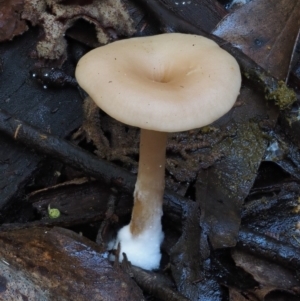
(165, 83)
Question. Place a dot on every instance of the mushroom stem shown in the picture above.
(150, 184)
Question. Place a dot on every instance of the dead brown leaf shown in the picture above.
(265, 31)
(56, 18)
(11, 24)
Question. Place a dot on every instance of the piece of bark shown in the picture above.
(79, 200)
(269, 248)
(154, 284)
(191, 274)
(270, 276)
(42, 264)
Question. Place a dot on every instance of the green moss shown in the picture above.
(243, 150)
(247, 75)
(283, 96)
(208, 129)
(53, 212)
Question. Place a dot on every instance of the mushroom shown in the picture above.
(165, 83)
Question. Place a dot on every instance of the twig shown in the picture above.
(76, 157)
(297, 239)
(269, 248)
(111, 206)
(274, 90)
(66, 152)
(153, 283)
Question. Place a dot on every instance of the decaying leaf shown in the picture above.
(55, 18)
(11, 24)
(265, 31)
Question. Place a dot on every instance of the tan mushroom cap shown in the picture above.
(169, 82)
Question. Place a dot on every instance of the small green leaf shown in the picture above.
(53, 212)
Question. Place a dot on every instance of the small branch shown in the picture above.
(66, 152)
(274, 90)
(76, 157)
(155, 284)
(269, 248)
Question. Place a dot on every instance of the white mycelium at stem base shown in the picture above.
(163, 83)
(141, 239)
